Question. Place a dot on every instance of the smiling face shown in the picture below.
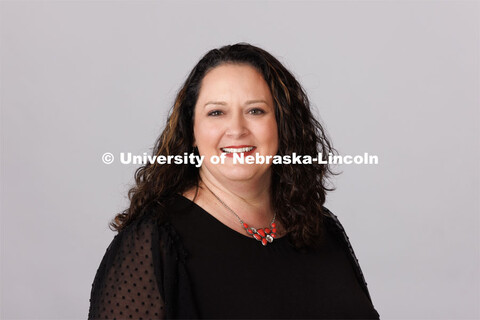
(235, 113)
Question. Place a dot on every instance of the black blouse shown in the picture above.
(193, 266)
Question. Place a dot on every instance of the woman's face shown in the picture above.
(235, 114)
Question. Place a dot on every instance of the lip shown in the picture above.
(230, 155)
(240, 146)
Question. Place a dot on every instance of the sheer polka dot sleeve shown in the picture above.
(127, 284)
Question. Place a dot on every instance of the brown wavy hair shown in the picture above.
(298, 191)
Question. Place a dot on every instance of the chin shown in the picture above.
(241, 173)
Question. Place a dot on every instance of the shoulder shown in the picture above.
(333, 223)
(139, 234)
(147, 230)
(159, 214)
(162, 214)
(157, 224)
(150, 233)
(328, 214)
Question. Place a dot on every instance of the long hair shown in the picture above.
(298, 191)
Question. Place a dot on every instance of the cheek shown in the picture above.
(205, 135)
(268, 133)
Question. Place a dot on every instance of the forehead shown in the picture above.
(231, 80)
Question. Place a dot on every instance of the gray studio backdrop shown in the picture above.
(395, 79)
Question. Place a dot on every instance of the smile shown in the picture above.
(238, 149)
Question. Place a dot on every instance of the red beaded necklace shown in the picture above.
(264, 235)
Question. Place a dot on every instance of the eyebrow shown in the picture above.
(223, 103)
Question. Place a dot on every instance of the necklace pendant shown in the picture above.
(264, 235)
(261, 232)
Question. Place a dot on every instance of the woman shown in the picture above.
(233, 240)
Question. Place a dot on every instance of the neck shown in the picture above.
(249, 199)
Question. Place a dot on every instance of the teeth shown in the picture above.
(232, 150)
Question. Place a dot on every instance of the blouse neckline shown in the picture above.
(221, 224)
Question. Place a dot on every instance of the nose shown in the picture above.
(237, 126)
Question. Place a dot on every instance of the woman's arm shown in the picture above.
(126, 285)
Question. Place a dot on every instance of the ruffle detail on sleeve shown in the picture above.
(172, 274)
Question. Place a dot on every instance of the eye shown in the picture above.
(256, 111)
(214, 113)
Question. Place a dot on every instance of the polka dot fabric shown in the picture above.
(126, 285)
